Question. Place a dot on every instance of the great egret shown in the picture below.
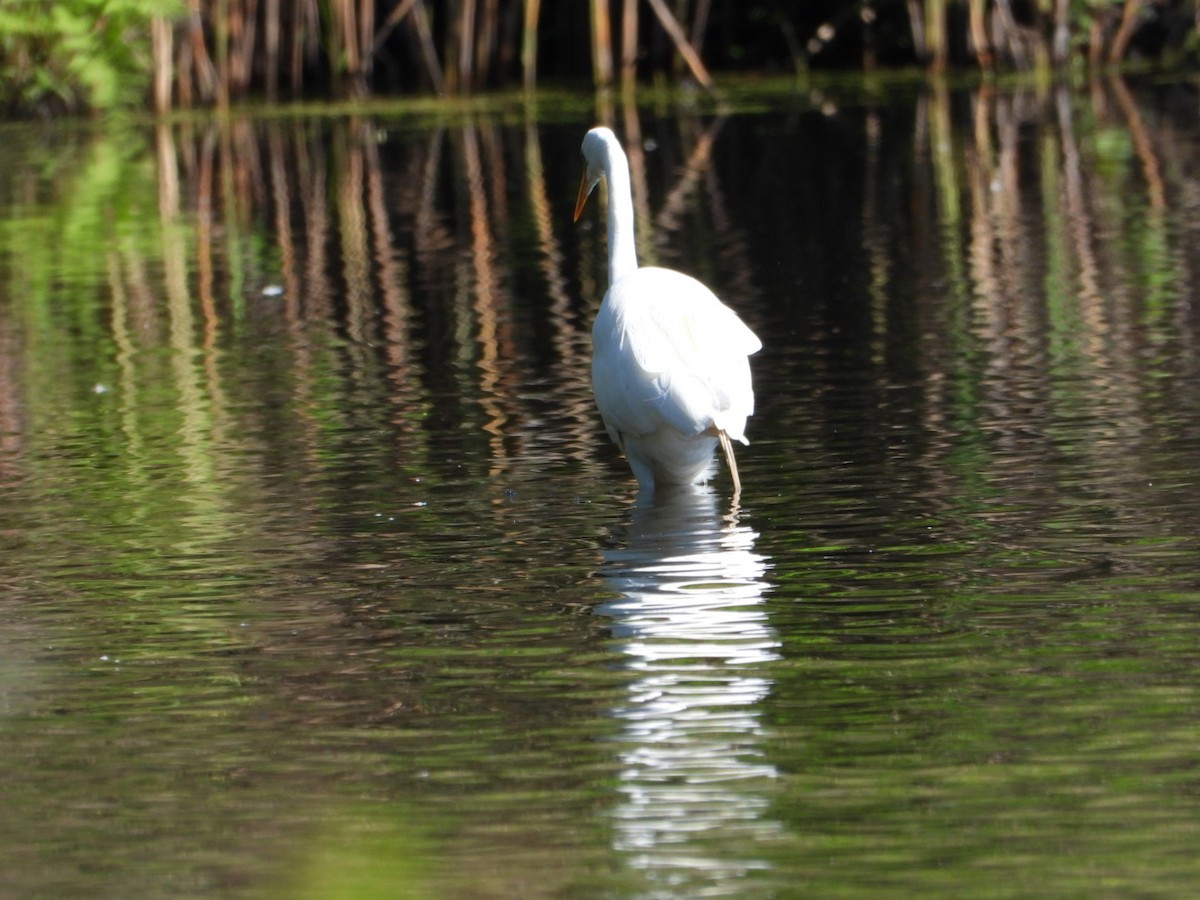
(669, 360)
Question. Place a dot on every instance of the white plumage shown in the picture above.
(669, 360)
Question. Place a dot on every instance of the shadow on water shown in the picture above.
(692, 625)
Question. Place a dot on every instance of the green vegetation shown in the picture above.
(59, 55)
(73, 55)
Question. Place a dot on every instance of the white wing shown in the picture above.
(667, 351)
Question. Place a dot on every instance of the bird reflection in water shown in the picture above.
(692, 623)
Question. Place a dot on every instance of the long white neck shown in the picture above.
(622, 248)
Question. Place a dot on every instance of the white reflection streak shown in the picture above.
(691, 621)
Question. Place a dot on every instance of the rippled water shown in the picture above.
(320, 578)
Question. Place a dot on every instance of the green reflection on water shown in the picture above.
(307, 519)
(369, 855)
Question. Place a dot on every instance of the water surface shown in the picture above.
(322, 580)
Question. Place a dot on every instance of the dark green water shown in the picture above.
(321, 580)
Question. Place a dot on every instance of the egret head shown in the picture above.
(599, 146)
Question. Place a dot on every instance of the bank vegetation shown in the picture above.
(74, 55)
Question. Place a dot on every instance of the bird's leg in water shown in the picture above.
(728, 448)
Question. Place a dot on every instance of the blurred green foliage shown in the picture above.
(61, 56)
(67, 55)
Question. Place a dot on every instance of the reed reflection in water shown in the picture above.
(293, 373)
(692, 623)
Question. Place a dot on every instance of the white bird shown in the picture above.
(669, 360)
